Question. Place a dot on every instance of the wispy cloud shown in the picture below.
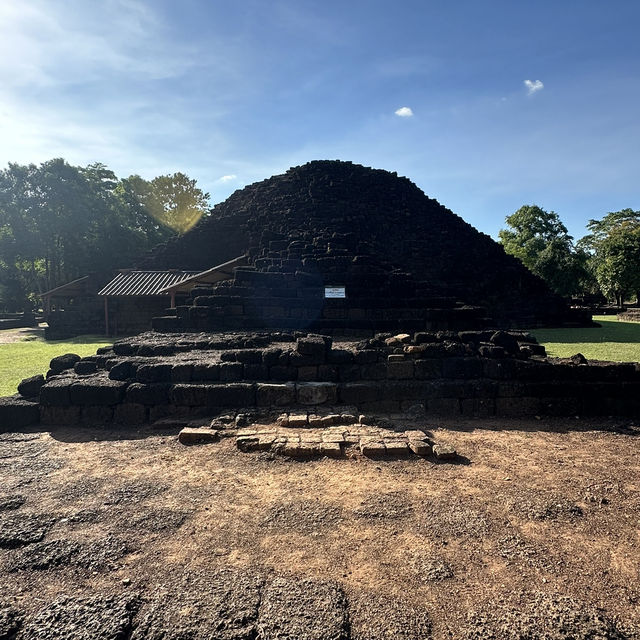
(533, 86)
(404, 112)
(109, 82)
(224, 179)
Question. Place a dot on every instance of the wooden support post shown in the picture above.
(106, 315)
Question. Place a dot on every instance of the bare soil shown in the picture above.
(129, 534)
(9, 336)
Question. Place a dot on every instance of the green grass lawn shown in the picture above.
(29, 357)
(615, 341)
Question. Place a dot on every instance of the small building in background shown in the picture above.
(133, 298)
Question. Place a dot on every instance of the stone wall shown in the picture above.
(83, 317)
(469, 373)
(131, 315)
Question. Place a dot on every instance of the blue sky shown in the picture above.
(484, 105)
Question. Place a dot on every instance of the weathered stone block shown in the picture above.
(519, 406)
(328, 373)
(231, 395)
(205, 372)
(149, 373)
(316, 392)
(349, 373)
(160, 411)
(256, 372)
(478, 407)
(85, 367)
(181, 372)
(56, 392)
(330, 449)
(123, 348)
(306, 450)
(231, 371)
(99, 414)
(443, 407)
(462, 368)
(130, 413)
(372, 449)
(313, 346)
(30, 387)
(308, 374)
(366, 356)
(271, 357)
(64, 362)
(400, 370)
(505, 340)
(340, 356)
(147, 394)
(283, 373)
(298, 420)
(275, 395)
(248, 443)
(396, 448)
(123, 370)
(380, 406)
(358, 392)
(493, 351)
(97, 391)
(420, 447)
(503, 369)
(375, 371)
(16, 412)
(190, 395)
(302, 360)
(444, 451)
(193, 435)
(59, 415)
(405, 390)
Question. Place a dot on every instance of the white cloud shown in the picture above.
(533, 86)
(404, 112)
(228, 178)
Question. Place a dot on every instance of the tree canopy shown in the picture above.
(614, 253)
(541, 241)
(59, 222)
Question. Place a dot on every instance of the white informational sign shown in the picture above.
(335, 292)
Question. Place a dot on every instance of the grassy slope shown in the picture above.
(616, 341)
(20, 360)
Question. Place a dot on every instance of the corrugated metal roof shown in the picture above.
(143, 283)
(74, 287)
(220, 272)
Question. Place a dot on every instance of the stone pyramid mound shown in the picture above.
(401, 260)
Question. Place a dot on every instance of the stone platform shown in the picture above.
(467, 373)
(303, 435)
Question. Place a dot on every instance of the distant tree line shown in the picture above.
(606, 261)
(59, 222)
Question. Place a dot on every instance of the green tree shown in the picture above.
(614, 249)
(542, 243)
(59, 222)
(174, 200)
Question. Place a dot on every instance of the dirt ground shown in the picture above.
(129, 534)
(9, 336)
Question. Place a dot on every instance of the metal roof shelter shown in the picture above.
(130, 283)
(221, 272)
(144, 283)
(79, 287)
